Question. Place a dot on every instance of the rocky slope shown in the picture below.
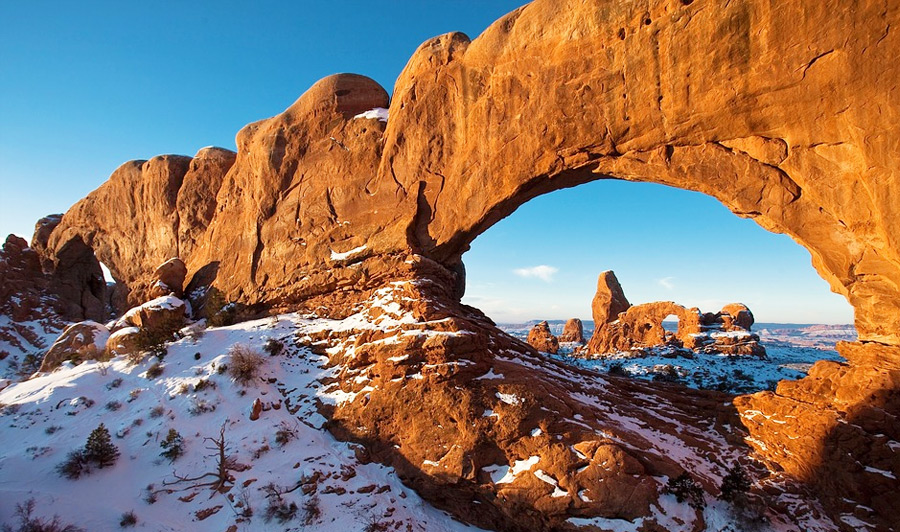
(781, 112)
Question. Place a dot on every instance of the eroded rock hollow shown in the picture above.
(785, 112)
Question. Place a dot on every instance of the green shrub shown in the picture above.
(684, 488)
(735, 484)
(99, 451)
(173, 445)
(99, 448)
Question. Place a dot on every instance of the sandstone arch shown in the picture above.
(793, 128)
(786, 112)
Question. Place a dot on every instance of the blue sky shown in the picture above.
(87, 86)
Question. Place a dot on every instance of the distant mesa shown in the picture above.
(620, 327)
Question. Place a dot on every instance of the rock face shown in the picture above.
(27, 299)
(573, 331)
(540, 338)
(837, 431)
(781, 114)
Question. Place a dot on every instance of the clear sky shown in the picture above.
(86, 86)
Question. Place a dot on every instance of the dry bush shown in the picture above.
(29, 523)
(244, 364)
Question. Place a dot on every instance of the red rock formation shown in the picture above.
(573, 331)
(781, 114)
(736, 317)
(641, 326)
(169, 278)
(837, 430)
(27, 299)
(540, 338)
(81, 341)
(609, 300)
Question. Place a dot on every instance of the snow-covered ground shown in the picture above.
(45, 418)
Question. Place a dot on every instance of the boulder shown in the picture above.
(573, 331)
(81, 341)
(125, 341)
(609, 300)
(163, 313)
(736, 317)
(540, 338)
(169, 278)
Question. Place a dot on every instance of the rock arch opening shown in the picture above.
(667, 245)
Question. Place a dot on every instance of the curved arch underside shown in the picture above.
(787, 112)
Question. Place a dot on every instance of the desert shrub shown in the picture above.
(617, 368)
(112, 406)
(684, 488)
(157, 411)
(222, 368)
(51, 429)
(29, 523)
(173, 445)
(735, 484)
(375, 524)
(30, 363)
(150, 494)
(244, 364)
(203, 384)
(153, 339)
(155, 370)
(273, 347)
(200, 406)
(128, 519)
(281, 510)
(278, 508)
(73, 466)
(115, 383)
(217, 311)
(666, 373)
(311, 510)
(285, 434)
(261, 451)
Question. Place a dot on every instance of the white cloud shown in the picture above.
(666, 282)
(542, 272)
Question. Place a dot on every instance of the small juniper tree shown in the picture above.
(99, 448)
(735, 484)
(173, 445)
(684, 488)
